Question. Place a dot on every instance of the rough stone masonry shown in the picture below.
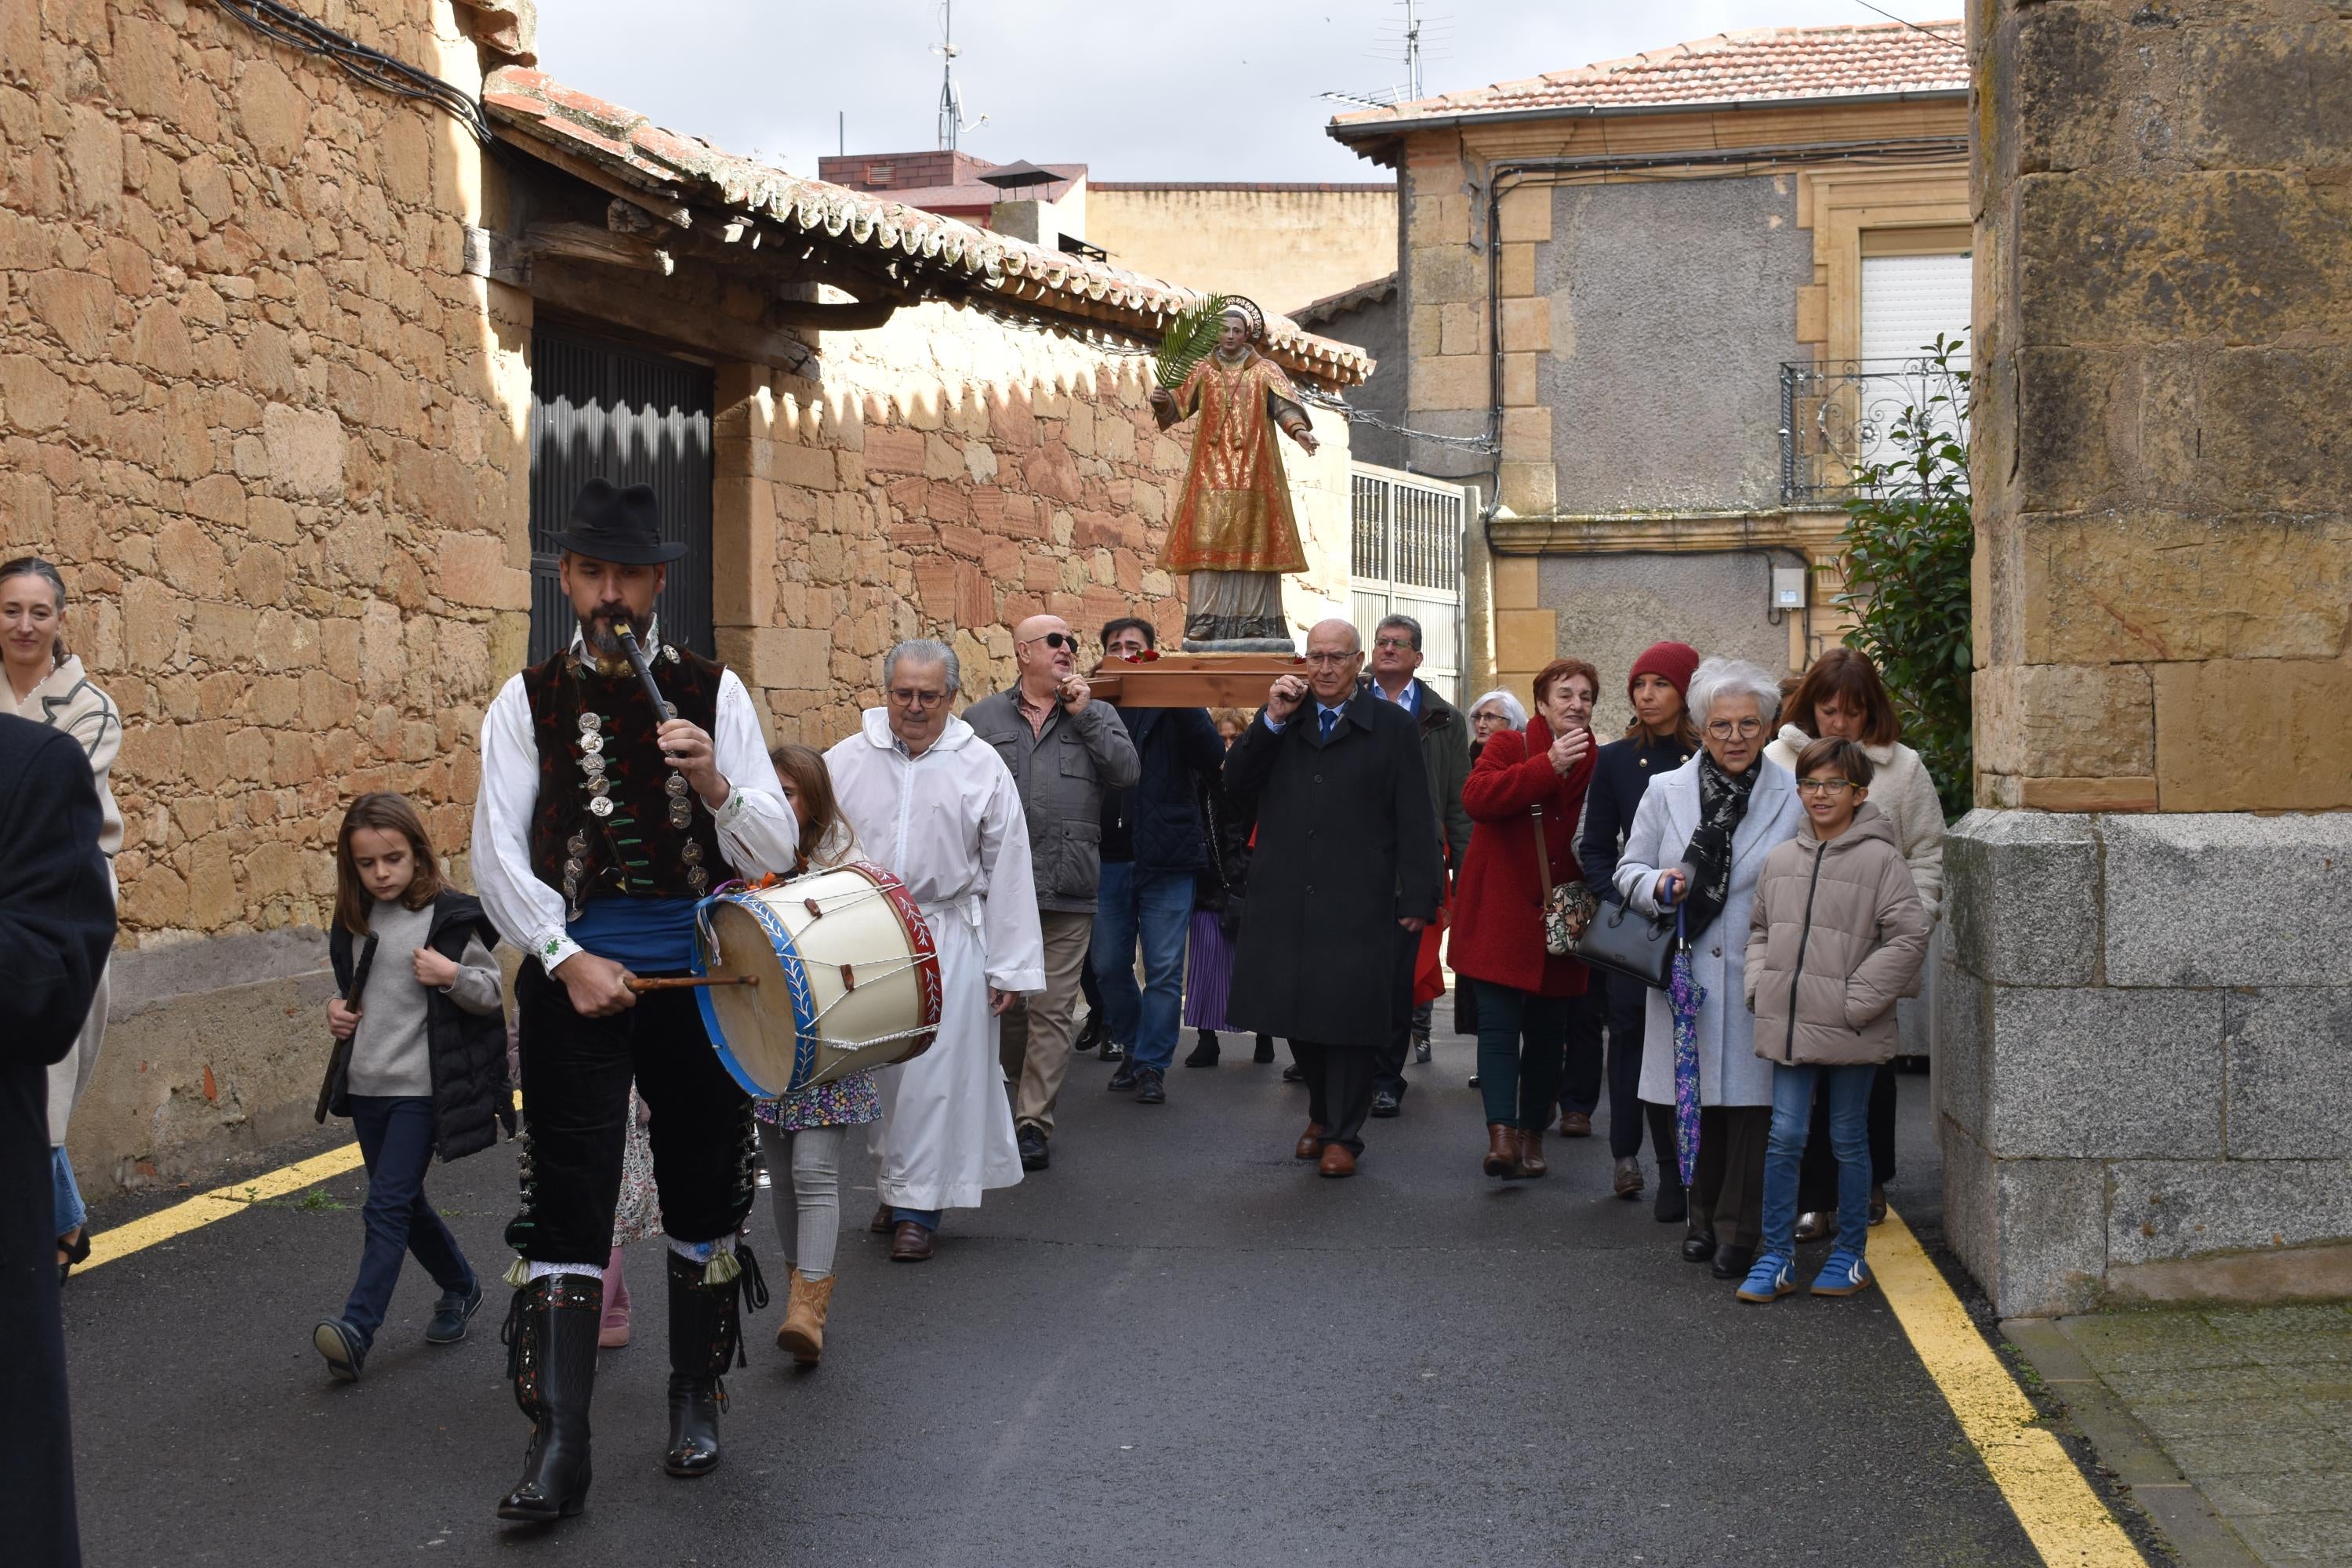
(2149, 1003)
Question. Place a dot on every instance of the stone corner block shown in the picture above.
(2021, 887)
(2033, 1232)
(2097, 1073)
(2228, 899)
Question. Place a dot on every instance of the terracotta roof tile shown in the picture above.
(1019, 278)
(1762, 65)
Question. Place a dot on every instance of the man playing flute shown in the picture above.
(599, 826)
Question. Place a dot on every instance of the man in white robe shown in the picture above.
(936, 806)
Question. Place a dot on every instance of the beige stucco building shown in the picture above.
(300, 375)
(1615, 272)
(1282, 245)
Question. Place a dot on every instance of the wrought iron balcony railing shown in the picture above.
(1835, 420)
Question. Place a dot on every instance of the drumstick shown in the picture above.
(644, 673)
(681, 982)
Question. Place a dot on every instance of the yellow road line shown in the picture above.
(2063, 1518)
(205, 1208)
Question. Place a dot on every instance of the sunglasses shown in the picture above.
(1058, 641)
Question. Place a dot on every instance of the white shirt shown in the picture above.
(757, 829)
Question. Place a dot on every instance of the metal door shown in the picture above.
(636, 418)
(1407, 561)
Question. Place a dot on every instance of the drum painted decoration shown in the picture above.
(848, 978)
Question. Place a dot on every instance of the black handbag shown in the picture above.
(1623, 941)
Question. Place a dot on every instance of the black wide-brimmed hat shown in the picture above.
(623, 526)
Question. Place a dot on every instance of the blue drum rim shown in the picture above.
(788, 956)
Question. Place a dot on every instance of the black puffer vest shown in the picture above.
(471, 1094)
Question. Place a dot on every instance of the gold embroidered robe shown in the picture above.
(1234, 515)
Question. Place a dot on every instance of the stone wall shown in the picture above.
(2148, 1029)
(273, 436)
(1284, 245)
(947, 475)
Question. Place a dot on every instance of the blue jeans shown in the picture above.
(71, 1212)
(1155, 907)
(1784, 1152)
(927, 1218)
(395, 1133)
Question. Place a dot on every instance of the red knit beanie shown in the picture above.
(1676, 661)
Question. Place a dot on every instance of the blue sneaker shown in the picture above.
(1845, 1274)
(1769, 1279)
(450, 1314)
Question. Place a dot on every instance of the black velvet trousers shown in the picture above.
(576, 1073)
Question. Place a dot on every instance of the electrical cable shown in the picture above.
(282, 23)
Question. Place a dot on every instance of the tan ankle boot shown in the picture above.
(1502, 1149)
(1531, 1161)
(802, 1329)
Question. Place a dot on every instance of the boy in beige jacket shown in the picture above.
(1836, 934)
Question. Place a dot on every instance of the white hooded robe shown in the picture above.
(948, 824)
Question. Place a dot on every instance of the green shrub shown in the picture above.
(1908, 541)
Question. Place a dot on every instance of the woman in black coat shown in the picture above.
(1660, 739)
(56, 926)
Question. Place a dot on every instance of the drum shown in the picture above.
(848, 978)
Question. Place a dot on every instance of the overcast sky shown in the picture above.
(1138, 90)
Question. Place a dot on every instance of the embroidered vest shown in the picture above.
(613, 819)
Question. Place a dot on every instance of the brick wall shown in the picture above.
(951, 474)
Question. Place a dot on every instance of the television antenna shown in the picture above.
(1418, 39)
(953, 124)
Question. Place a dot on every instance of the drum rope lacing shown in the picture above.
(714, 959)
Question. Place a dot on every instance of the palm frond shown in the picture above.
(1191, 337)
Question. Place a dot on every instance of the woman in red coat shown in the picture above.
(1523, 778)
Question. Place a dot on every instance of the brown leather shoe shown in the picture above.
(1531, 1156)
(1628, 1180)
(912, 1244)
(1310, 1143)
(1337, 1161)
(880, 1223)
(1502, 1149)
(1575, 1124)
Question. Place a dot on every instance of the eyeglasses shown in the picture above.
(909, 697)
(1326, 658)
(1058, 641)
(1393, 645)
(1825, 786)
(1746, 729)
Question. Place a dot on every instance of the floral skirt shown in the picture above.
(638, 1214)
(846, 1102)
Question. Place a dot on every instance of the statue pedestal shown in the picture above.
(1194, 680)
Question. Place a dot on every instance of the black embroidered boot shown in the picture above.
(551, 1338)
(706, 1333)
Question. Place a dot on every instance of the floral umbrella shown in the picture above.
(1684, 995)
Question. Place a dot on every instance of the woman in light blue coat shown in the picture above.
(1699, 838)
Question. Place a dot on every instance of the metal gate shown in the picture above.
(635, 417)
(1408, 562)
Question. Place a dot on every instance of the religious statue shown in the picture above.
(1234, 532)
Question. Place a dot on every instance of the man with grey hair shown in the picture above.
(933, 803)
(1446, 755)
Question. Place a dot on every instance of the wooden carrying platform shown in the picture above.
(1194, 680)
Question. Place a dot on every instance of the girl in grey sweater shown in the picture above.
(419, 1020)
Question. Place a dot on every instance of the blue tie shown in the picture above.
(1331, 716)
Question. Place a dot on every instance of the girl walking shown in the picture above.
(1836, 934)
(419, 1066)
(800, 1135)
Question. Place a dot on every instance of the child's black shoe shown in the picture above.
(341, 1344)
(450, 1314)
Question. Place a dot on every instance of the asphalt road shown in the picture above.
(1177, 1346)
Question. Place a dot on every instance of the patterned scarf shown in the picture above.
(1722, 803)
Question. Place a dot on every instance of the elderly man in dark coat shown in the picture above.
(1347, 855)
(55, 924)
